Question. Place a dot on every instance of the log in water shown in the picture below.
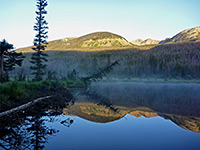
(24, 106)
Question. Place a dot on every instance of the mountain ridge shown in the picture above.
(110, 41)
(94, 40)
(187, 35)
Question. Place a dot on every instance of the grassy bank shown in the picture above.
(15, 93)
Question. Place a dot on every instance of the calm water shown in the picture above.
(110, 115)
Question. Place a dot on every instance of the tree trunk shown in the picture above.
(24, 106)
(2, 59)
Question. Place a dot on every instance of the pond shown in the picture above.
(111, 115)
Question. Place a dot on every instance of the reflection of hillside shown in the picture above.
(189, 123)
(102, 114)
(94, 112)
(169, 98)
(138, 114)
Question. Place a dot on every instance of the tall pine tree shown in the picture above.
(4, 47)
(9, 59)
(38, 58)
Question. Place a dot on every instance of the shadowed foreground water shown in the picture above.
(110, 115)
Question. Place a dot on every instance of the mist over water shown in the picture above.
(180, 98)
(135, 115)
(112, 115)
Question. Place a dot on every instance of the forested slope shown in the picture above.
(166, 61)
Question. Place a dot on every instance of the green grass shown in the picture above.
(15, 90)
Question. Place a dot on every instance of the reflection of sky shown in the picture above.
(132, 19)
(128, 132)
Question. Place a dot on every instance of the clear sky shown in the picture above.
(132, 19)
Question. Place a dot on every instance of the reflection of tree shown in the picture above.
(67, 122)
(28, 129)
(176, 102)
(39, 132)
(100, 100)
(180, 99)
(32, 134)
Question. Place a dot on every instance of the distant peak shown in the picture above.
(148, 41)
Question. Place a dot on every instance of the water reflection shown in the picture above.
(109, 101)
(102, 103)
(27, 129)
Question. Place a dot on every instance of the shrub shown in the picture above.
(15, 91)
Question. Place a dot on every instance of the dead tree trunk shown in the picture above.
(23, 106)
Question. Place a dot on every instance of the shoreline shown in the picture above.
(153, 80)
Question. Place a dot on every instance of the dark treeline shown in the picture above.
(171, 61)
(164, 61)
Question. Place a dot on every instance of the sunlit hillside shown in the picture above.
(165, 61)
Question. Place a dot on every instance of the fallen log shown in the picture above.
(23, 106)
